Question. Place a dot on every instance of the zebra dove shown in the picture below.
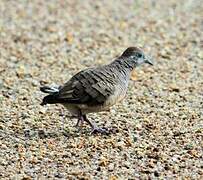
(96, 89)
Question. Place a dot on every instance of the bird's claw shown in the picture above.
(100, 130)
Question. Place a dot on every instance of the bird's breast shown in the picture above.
(117, 95)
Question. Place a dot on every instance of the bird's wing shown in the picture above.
(90, 86)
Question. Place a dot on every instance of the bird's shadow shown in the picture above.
(66, 133)
(49, 134)
(36, 133)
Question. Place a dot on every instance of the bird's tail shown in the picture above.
(52, 97)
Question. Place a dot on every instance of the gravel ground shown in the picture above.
(158, 127)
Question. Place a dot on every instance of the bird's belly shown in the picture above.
(117, 96)
(91, 109)
(73, 109)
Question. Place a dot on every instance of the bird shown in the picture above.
(96, 89)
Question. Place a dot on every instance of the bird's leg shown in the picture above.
(95, 129)
(80, 119)
(87, 120)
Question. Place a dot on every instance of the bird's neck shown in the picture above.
(121, 69)
(121, 63)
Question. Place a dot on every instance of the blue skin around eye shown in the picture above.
(139, 55)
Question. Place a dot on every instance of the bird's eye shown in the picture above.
(139, 55)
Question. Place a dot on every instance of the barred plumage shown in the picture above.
(96, 89)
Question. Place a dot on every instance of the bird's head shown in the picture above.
(135, 56)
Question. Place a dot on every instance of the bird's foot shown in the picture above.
(96, 130)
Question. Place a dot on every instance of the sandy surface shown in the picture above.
(158, 127)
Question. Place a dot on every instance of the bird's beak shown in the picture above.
(149, 60)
